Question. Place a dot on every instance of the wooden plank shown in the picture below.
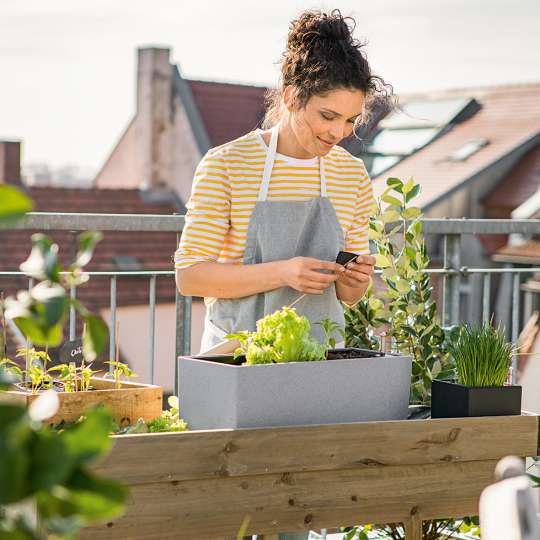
(215, 508)
(235, 453)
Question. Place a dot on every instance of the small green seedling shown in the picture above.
(330, 328)
(86, 374)
(36, 375)
(169, 420)
(120, 370)
(67, 373)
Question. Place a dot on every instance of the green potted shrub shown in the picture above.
(281, 376)
(482, 358)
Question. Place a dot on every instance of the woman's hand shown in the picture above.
(309, 275)
(357, 274)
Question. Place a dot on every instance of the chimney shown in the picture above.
(10, 162)
(154, 117)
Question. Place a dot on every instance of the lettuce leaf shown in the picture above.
(282, 336)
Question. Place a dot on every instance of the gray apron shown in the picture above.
(280, 230)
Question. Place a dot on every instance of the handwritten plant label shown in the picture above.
(71, 351)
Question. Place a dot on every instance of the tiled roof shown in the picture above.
(509, 117)
(228, 110)
(152, 250)
(527, 253)
(520, 184)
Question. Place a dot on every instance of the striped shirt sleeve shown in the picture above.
(356, 238)
(208, 214)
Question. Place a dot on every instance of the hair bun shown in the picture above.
(315, 28)
(321, 56)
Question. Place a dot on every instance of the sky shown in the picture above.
(67, 67)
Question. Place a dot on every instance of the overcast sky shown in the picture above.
(67, 67)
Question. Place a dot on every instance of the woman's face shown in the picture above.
(325, 120)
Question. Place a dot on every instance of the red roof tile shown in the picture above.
(228, 111)
(528, 253)
(152, 250)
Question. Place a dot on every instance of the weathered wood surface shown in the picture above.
(128, 403)
(201, 485)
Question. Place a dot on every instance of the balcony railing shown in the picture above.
(453, 272)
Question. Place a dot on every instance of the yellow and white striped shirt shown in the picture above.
(226, 186)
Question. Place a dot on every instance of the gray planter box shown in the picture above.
(215, 394)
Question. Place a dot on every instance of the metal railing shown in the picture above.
(452, 271)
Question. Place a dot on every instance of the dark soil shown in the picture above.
(333, 354)
(57, 387)
(337, 354)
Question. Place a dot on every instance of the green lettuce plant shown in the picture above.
(169, 420)
(282, 336)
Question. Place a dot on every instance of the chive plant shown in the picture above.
(482, 355)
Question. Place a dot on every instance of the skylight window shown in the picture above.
(468, 149)
(413, 126)
(401, 141)
(381, 163)
(435, 112)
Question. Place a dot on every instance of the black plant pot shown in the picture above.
(451, 400)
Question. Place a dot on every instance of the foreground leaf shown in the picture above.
(14, 204)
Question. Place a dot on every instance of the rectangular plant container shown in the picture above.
(215, 393)
(452, 400)
(127, 404)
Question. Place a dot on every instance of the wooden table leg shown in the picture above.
(413, 526)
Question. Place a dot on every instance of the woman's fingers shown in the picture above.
(353, 281)
(317, 264)
(358, 273)
(319, 277)
(311, 290)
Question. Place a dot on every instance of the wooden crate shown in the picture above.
(128, 403)
(202, 484)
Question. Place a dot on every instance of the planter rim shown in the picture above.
(475, 387)
(126, 386)
(214, 361)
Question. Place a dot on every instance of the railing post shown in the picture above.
(179, 338)
(112, 324)
(452, 261)
(152, 328)
(486, 299)
(187, 325)
(72, 314)
(515, 320)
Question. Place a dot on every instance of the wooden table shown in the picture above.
(202, 484)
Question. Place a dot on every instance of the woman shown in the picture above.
(270, 211)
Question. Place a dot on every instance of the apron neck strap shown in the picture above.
(269, 164)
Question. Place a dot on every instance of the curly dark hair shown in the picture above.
(321, 56)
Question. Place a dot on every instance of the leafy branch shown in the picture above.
(404, 307)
